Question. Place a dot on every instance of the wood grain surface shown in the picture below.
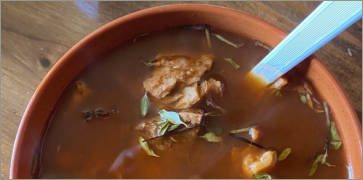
(36, 34)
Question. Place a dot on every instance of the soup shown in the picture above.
(175, 104)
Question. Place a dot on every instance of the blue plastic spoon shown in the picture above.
(323, 24)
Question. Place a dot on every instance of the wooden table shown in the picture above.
(36, 34)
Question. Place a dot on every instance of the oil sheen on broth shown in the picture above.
(104, 142)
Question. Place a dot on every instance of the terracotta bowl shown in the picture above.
(109, 36)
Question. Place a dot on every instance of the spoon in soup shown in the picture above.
(328, 20)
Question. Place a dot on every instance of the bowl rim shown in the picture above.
(42, 87)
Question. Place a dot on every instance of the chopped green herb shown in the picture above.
(242, 130)
(167, 127)
(173, 127)
(221, 38)
(146, 148)
(321, 158)
(284, 154)
(233, 63)
(262, 176)
(171, 117)
(159, 122)
(164, 128)
(326, 110)
(303, 99)
(315, 165)
(335, 141)
(324, 156)
(207, 37)
(211, 137)
(145, 103)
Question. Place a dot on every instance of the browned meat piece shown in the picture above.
(191, 117)
(170, 70)
(211, 86)
(164, 143)
(148, 127)
(190, 95)
(182, 99)
(160, 84)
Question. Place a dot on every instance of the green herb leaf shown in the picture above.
(211, 137)
(262, 176)
(303, 99)
(207, 36)
(321, 158)
(315, 165)
(242, 130)
(335, 141)
(221, 38)
(145, 103)
(326, 110)
(164, 128)
(233, 63)
(173, 127)
(171, 117)
(284, 154)
(159, 122)
(146, 148)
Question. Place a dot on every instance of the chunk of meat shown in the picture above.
(170, 70)
(183, 99)
(148, 128)
(191, 117)
(190, 95)
(160, 84)
(253, 161)
(211, 86)
(189, 98)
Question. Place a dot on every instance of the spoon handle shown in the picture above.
(323, 24)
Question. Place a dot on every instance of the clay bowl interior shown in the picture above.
(108, 37)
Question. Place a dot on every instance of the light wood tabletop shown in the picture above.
(36, 34)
